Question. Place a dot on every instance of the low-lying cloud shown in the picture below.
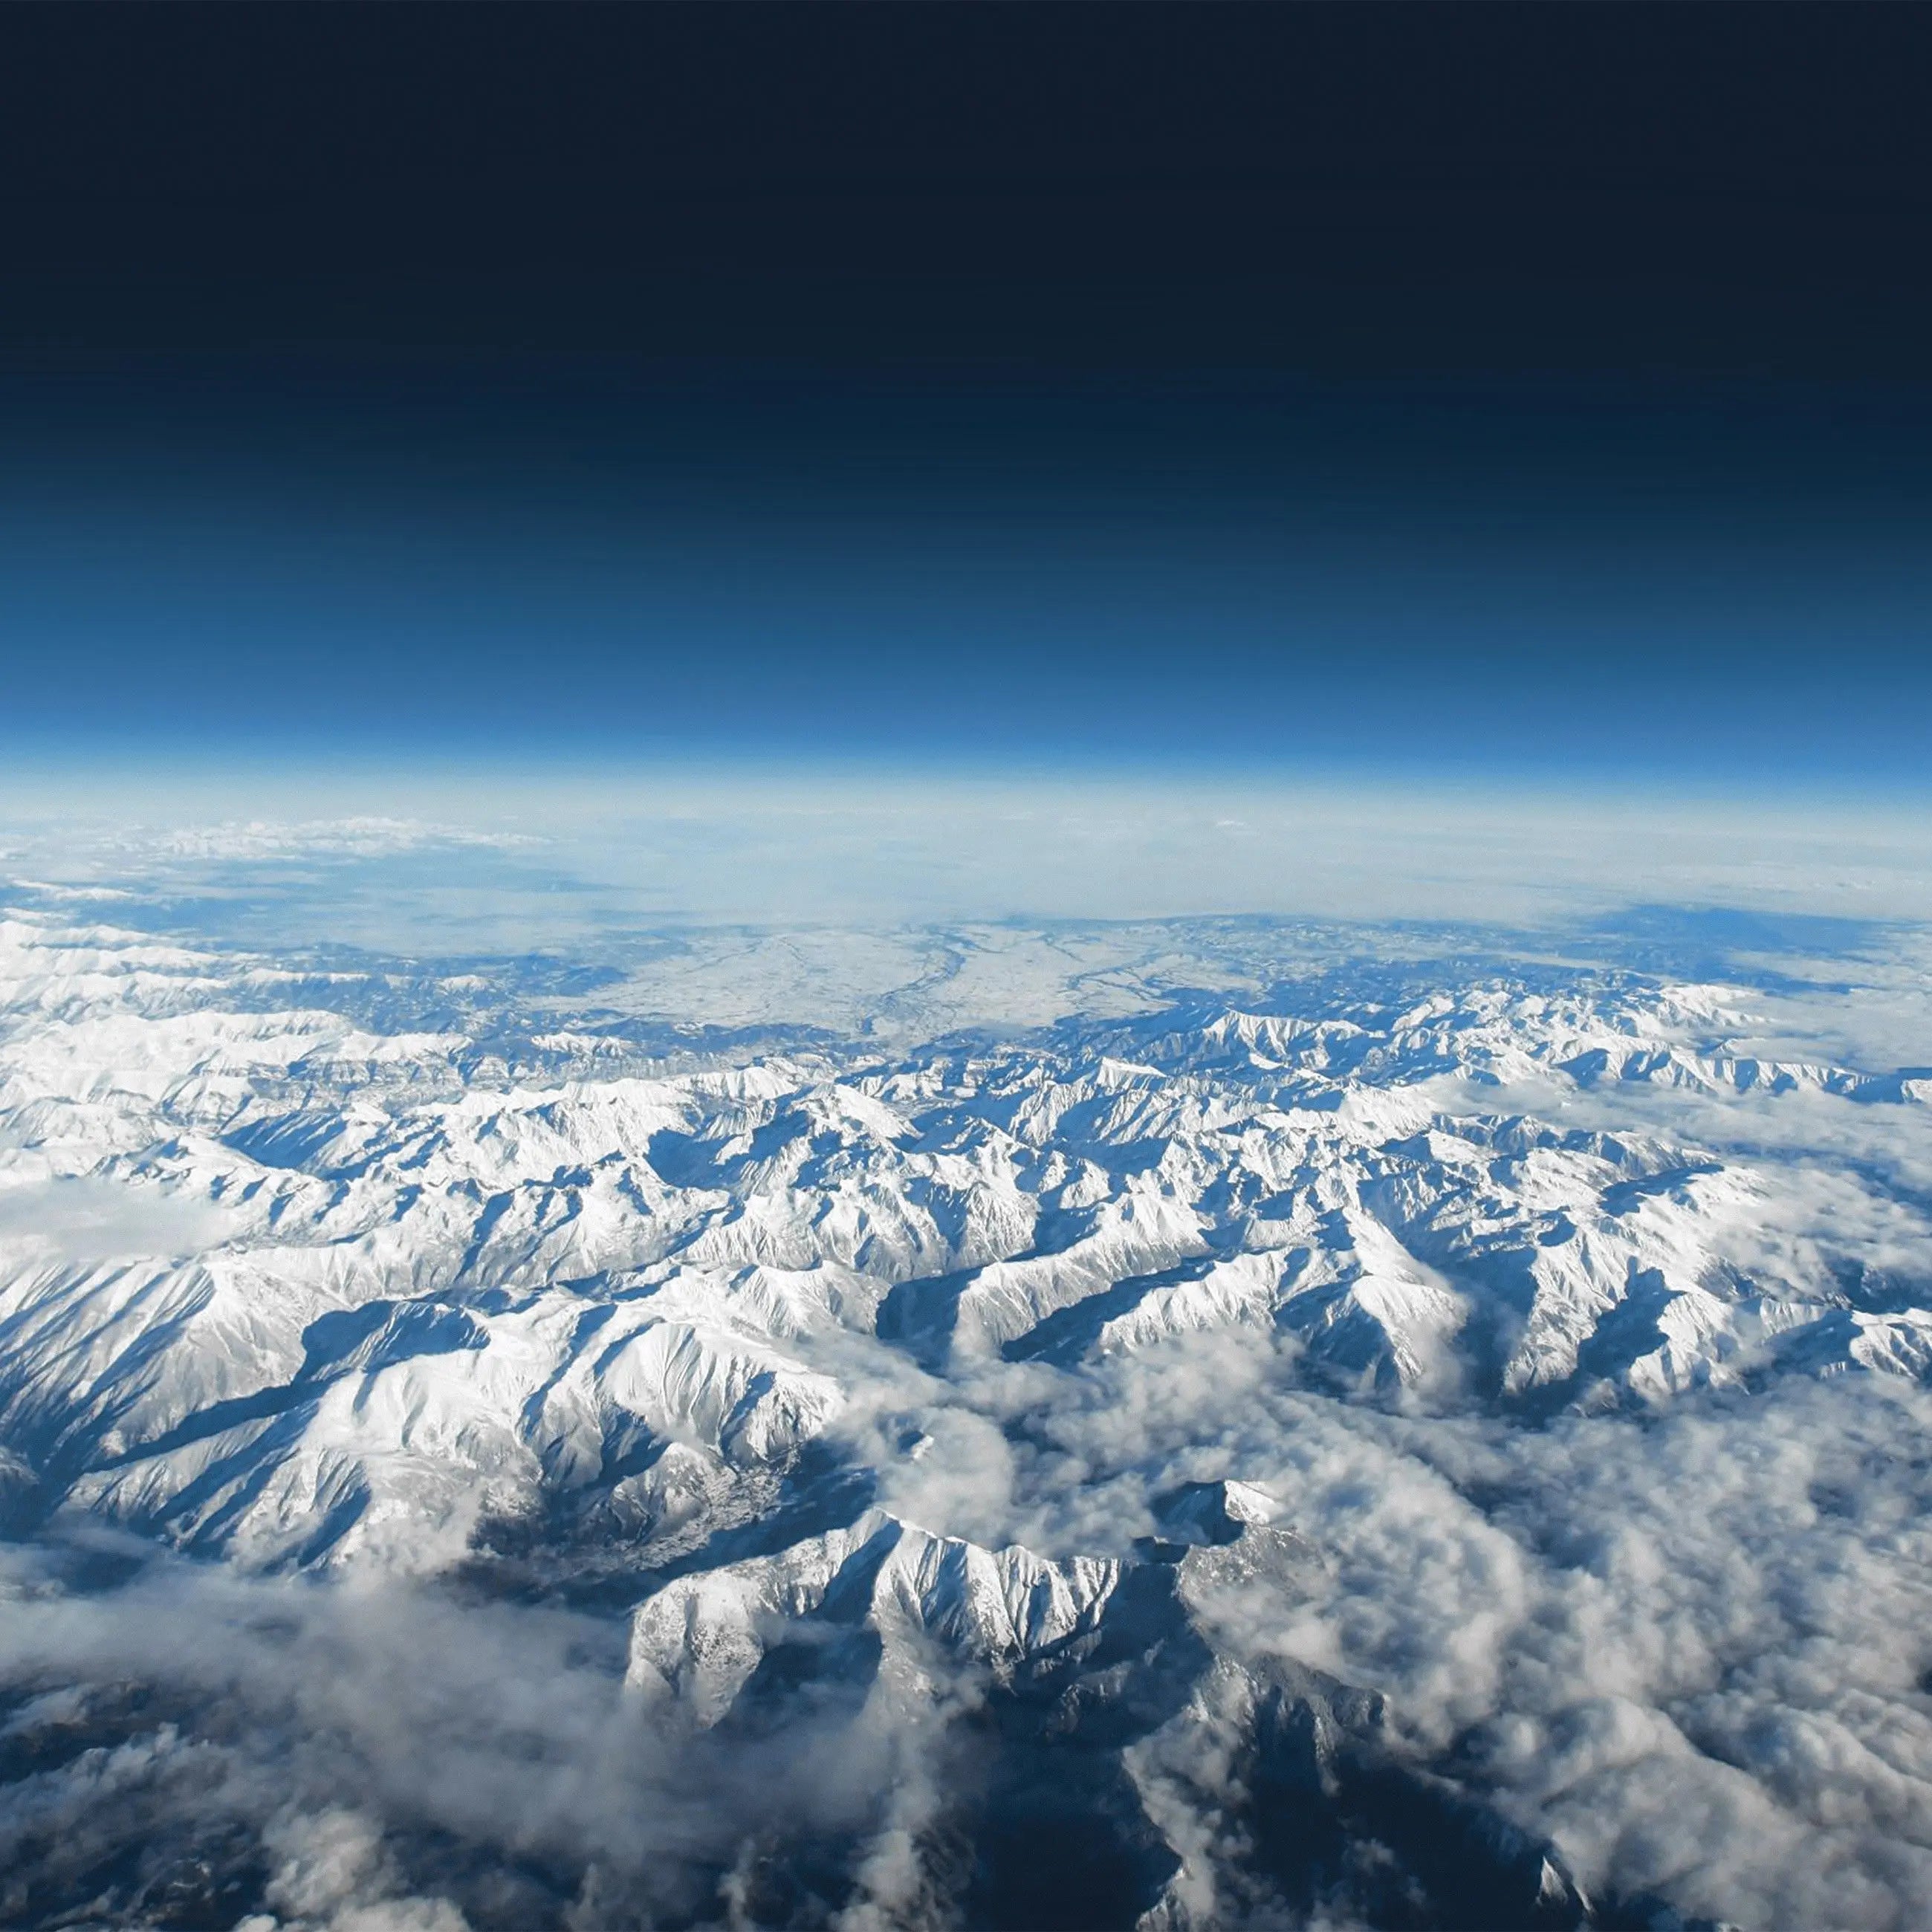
(1691, 1651)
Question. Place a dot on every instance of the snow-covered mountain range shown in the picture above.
(1132, 1424)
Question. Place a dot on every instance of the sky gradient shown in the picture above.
(975, 390)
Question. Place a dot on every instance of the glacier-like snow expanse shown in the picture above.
(1188, 1424)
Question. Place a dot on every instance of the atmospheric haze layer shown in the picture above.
(530, 1396)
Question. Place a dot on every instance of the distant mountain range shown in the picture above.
(750, 1342)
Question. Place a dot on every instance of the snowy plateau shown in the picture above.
(1226, 1423)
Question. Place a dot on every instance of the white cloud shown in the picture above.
(84, 1218)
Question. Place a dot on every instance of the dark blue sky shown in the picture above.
(1426, 388)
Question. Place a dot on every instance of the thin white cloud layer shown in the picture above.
(84, 1218)
(476, 857)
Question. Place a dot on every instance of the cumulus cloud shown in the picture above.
(1693, 1651)
(362, 1758)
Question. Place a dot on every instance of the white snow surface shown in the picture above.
(382, 1268)
(284, 1284)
